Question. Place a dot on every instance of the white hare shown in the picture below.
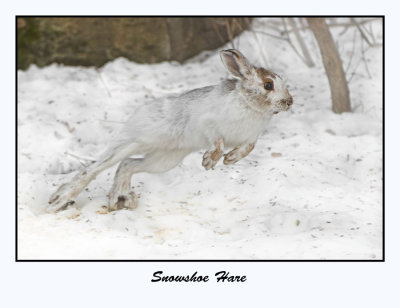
(230, 114)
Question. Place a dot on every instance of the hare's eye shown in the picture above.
(268, 86)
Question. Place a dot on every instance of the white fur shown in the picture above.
(166, 130)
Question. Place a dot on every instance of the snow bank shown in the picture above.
(311, 188)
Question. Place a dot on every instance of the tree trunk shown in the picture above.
(333, 65)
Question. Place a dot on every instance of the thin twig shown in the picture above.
(271, 35)
(363, 35)
(102, 81)
(303, 23)
(216, 30)
(365, 60)
(345, 28)
(66, 124)
(290, 42)
(300, 40)
(81, 158)
(370, 33)
(355, 69)
(343, 24)
(229, 32)
(352, 52)
(264, 58)
(242, 28)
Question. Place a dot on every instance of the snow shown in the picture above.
(311, 188)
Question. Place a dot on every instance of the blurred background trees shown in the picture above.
(94, 41)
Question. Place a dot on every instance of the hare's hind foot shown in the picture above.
(61, 199)
(123, 201)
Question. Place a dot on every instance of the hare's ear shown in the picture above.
(236, 63)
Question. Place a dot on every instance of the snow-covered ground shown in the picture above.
(311, 188)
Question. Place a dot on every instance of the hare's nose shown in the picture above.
(289, 102)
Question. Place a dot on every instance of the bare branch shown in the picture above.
(290, 42)
(264, 58)
(352, 52)
(271, 35)
(102, 81)
(363, 35)
(300, 40)
(84, 160)
(342, 24)
(365, 60)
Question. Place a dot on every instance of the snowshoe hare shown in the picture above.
(230, 114)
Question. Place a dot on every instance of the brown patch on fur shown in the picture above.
(249, 148)
(259, 100)
(219, 148)
(216, 154)
(238, 153)
(266, 76)
(266, 80)
(264, 73)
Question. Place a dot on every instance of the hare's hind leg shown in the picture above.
(66, 193)
(120, 195)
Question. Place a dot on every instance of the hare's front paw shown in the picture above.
(232, 157)
(238, 153)
(210, 159)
